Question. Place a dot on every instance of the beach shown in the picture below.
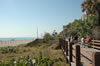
(5, 43)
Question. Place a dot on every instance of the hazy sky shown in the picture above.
(21, 18)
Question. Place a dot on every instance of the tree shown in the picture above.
(47, 37)
(92, 7)
(54, 33)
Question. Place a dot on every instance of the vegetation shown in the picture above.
(43, 55)
(92, 7)
(9, 49)
(29, 55)
(48, 39)
(27, 61)
(80, 28)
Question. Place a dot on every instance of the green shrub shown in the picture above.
(96, 33)
(27, 61)
(5, 50)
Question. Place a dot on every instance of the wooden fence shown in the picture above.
(94, 44)
(77, 56)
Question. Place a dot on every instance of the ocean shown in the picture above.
(19, 38)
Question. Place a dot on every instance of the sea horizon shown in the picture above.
(17, 38)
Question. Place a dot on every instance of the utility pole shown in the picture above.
(41, 35)
(37, 33)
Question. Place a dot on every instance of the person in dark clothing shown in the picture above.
(69, 39)
(75, 39)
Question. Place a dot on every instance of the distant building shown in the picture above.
(84, 16)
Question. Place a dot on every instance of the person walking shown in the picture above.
(69, 39)
(89, 42)
(75, 39)
(82, 42)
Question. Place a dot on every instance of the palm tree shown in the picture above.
(92, 7)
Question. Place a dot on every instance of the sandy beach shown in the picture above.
(5, 43)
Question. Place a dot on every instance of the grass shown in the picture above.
(34, 51)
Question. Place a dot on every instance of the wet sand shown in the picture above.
(5, 43)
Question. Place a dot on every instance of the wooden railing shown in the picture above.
(94, 44)
(77, 56)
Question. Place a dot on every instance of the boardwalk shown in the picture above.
(78, 56)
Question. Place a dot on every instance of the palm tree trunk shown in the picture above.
(98, 11)
(99, 20)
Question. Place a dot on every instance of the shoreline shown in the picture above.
(18, 38)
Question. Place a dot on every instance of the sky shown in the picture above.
(22, 18)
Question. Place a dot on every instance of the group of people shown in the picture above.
(83, 41)
(71, 39)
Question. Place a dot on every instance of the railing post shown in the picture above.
(66, 42)
(70, 52)
(64, 46)
(66, 51)
(96, 59)
(77, 55)
(60, 43)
